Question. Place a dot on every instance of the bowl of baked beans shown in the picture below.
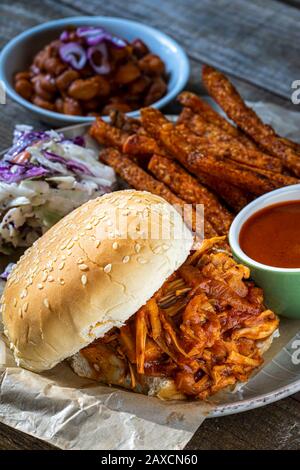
(75, 69)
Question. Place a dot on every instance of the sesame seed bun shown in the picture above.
(89, 273)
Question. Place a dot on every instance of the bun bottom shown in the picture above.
(163, 388)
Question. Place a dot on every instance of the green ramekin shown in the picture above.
(281, 286)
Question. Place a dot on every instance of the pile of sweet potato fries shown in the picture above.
(201, 158)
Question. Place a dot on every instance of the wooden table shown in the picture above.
(256, 43)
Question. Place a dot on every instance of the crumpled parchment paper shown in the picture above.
(75, 413)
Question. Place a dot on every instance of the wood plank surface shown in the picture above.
(250, 39)
(256, 43)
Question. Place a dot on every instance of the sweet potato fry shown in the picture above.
(290, 143)
(188, 188)
(199, 106)
(139, 179)
(222, 90)
(187, 153)
(107, 135)
(135, 176)
(123, 122)
(281, 179)
(219, 143)
(139, 144)
(233, 196)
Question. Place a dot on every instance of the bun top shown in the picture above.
(89, 273)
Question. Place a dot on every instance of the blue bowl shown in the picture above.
(18, 54)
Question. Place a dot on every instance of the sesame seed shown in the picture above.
(23, 294)
(142, 260)
(46, 303)
(83, 279)
(107, 268)
(126, 259)
(88, 227)
(40, 286)
(50, 279)
(137, 247)
(157, 250)
(83, 267)
(61, 281)
(25, 307)
(96, 367)
(115, 245)
(61, 266)
(44, 277)
(70, 245)
(98, 243)
(165, 247)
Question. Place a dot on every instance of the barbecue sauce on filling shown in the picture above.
(272, 235)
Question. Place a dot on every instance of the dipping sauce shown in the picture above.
(271, 236)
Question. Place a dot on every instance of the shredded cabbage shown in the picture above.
(58, 175)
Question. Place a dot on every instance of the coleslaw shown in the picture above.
(43, 177)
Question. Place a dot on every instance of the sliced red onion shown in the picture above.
(89, 31)
(96, 35)
(104, 68)
(65, 36)
(73, 54)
